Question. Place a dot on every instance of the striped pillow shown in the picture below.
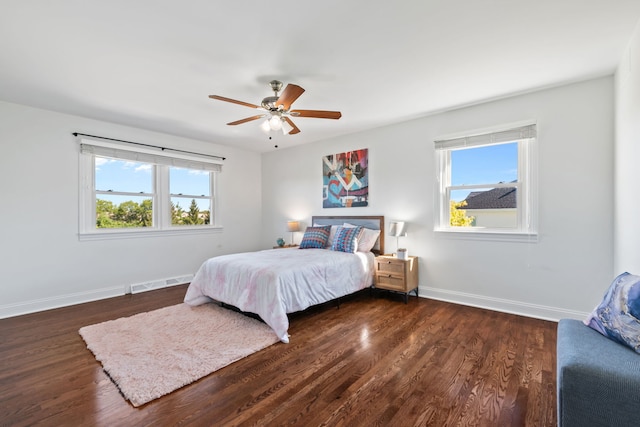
(346, 239)
(315, 237)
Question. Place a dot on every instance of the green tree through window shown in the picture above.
(127, 214)
(459, 216)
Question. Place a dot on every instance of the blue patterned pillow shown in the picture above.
(315, 237)
(618, 315)
(346, 239)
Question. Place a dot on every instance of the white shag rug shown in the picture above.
(152, 354)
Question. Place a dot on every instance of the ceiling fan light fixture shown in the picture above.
(265, 126)
(275, 123)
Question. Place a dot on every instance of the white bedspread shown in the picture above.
(275, 282)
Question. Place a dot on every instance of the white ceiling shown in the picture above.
(152, 63)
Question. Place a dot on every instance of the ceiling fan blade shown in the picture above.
(295, 128)
(248, 119)
(318, 114)
(234, 101)
(289, 95)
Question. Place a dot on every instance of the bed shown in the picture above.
(274, 282)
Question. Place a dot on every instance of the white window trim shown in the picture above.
(162, 223)
(527, 195)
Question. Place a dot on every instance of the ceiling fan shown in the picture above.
(277, 109)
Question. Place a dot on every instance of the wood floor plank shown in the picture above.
(372, 361)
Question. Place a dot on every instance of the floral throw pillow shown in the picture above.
(618, 315)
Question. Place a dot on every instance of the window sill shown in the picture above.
(488, 235)
(130, 234)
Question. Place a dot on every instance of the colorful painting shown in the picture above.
(345, 179)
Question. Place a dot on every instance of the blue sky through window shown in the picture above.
(483, 165)
(191, 182)
(120, 175)
(133, 177)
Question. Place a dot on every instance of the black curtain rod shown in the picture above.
(149, 145)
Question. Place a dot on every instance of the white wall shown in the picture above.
(627, 159)
(564, 274)
(42, 262)
(43, 265)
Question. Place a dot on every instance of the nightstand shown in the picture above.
(285, 246)
(397, 275)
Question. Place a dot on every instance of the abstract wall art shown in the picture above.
(345, 179)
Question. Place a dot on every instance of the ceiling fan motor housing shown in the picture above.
(269, 103)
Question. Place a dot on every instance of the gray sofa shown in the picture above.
(598, 380)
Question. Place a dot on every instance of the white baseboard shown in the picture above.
(18, 309)
(33, 306)
(502, 305)
(473, 300)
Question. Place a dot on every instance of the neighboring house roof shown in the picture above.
(496, 198)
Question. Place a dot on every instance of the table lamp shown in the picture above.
(293, 226)
(398, 229)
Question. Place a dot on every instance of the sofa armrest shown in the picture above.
(598, 381)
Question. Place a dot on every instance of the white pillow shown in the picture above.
(367, 238)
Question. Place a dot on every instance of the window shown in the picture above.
(128, 190)
(191, 200)
(124, 193)
(486, 182)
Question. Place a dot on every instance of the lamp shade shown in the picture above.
(275, 123)
(397, 228)
(293, 226)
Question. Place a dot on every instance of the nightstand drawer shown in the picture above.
(387, 281)
(392, 266)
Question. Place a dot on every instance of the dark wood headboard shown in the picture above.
(373, 222)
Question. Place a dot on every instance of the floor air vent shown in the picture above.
(158, 284)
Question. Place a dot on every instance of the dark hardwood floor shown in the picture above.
(373, 361)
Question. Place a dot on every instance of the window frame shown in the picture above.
(162, 225)
(526, 183)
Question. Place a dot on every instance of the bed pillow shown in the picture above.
(346, 239)
(332, 234)
(315, 237)
(618, 315)
(367, 239)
